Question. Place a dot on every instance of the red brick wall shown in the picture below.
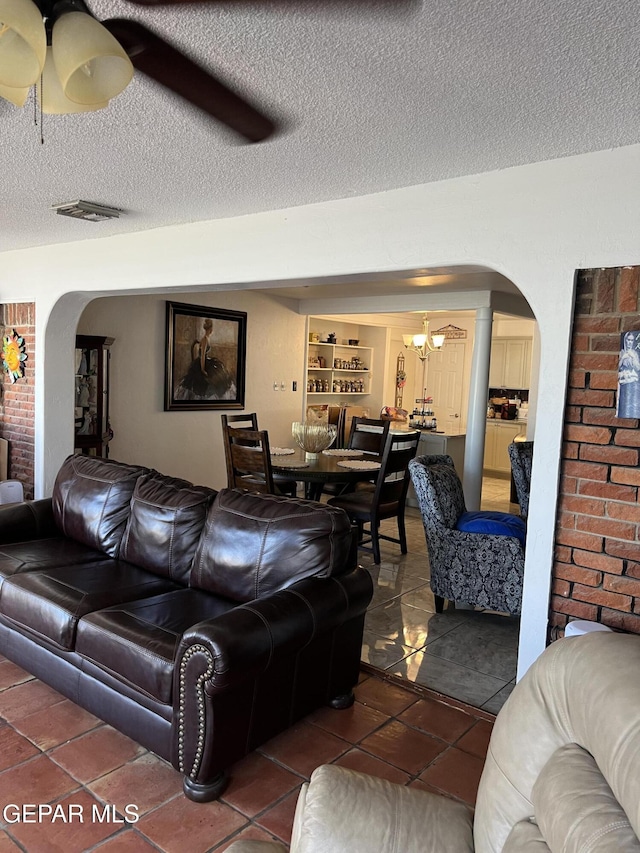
(596, 573)
(17, 422)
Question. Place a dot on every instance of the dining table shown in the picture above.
(317, 469)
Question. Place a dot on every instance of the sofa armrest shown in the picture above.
(221, 662)
(242, 642)
(25, 521)
(348, 812)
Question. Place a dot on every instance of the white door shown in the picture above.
(444, 384)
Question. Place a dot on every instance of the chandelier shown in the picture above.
(423, 344)
(74, 62)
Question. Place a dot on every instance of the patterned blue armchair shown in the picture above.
(521, 456)
(482, 569)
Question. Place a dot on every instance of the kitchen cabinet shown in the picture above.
(510, 365)
(92, 427)
(338, 369)
(499, 436)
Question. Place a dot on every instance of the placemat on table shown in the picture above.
(345, 452)
(282, 451)
(359, 465)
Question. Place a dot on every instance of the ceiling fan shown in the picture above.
(78, 63)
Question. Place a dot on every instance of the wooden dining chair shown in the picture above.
(249, 421)
(249, 460)
(388, 498)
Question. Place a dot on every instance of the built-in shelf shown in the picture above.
(338, 369)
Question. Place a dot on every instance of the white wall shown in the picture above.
(534, 224)
(189, 443)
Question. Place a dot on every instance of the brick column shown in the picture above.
(17, 422)
(596, 572)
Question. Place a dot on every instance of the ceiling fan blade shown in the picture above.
(159, 60)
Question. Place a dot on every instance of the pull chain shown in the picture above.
(35, 110)
(41, 112)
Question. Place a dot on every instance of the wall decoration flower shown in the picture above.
(401, 378)
(13, 355)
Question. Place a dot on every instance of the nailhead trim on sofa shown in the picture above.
(196, 649)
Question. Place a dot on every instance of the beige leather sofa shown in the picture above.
(562, 773)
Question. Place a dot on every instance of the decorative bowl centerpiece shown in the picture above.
(314, 438)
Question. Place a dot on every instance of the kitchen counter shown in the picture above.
(396, 428)
(505, 421)
(434, 443)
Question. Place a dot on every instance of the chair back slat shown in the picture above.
(368, 435)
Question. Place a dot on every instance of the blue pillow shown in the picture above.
(499, 523)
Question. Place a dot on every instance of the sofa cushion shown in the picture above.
(137, 641)
(576, 809)
(164, 525)
(254, 544)
(44, 554)
(91, 498)
(50, 603)
(493, 523)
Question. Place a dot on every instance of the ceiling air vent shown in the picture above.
(88, 210)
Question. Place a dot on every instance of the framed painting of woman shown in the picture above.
(205, 357)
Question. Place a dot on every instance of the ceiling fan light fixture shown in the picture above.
(52, 97)
(23, 43)
(91, 64)
(14, 95)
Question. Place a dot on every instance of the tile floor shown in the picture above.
(464, 654)
(52, 752)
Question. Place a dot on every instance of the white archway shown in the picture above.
(534, 224)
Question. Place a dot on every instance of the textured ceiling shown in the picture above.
(371, 95)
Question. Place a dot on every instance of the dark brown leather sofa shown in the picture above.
(198, 623)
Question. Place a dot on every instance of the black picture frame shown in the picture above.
(214, 379)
